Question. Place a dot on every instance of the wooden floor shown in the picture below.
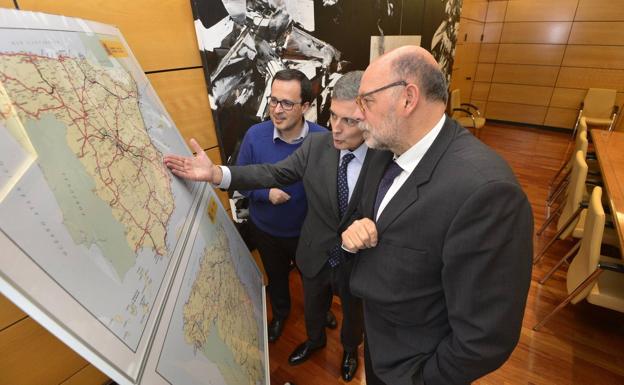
(583, 344)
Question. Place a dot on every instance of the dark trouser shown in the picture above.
(317, 293)
(371, 378)
(277, 254)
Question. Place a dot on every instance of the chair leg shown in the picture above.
(593, 276)
(561, 261)
(560, 187)
(539, 256)
(549, 220)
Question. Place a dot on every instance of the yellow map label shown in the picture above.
(114, 47)
(212, 209)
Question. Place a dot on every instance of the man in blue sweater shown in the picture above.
(277, 214)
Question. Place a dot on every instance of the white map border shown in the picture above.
(36, 293)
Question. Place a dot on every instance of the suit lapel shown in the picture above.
(408, 193)
(329, 166)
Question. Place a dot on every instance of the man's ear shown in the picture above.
(304, 107)
(412, 97)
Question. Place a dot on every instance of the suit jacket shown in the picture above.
(316, 163)
(444, 290)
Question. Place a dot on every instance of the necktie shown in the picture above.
(336, 253)
(392, 171)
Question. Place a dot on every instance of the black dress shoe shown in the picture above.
(275, 328)
(349, 365)
(302, 353)
(330, 320)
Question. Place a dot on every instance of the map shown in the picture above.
(216, 335)
(83, 190)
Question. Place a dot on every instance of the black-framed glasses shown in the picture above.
(286, 104)
(359, 100)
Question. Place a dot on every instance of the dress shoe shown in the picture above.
(275, 329)
(302, 353)
(349, 365)
(330, 320)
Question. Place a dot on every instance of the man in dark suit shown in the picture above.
(444, 239)
(329, 166)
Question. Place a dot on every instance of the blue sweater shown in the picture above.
(258, 147)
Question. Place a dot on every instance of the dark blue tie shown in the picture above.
(336, 254)
(392, 171)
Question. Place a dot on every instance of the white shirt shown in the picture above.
(408, 162)
(355, 166)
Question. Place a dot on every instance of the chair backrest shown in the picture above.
(588, 256)
(574, 194)
(598, 103)
(455, 102)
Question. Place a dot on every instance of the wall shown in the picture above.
(162, 36)
(538, 58)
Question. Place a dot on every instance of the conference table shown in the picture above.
(609, 147)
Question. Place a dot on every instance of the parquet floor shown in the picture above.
(583, 344)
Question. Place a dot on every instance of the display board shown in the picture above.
(96, 234)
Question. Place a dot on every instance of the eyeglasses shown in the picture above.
(359, 100)
(287, 105)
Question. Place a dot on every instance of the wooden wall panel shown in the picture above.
(7, 4)
(215, 155)
(469, 31)
(87, 375)
(161, 34)
(599, 33)
(560, 117)
(516, 112)
(32, 356)
(525, 74)
(484, 72)
(488, 53)
(541, 54)
(594, 56)
(523, 94)
(480, 91)
(481, 105)
(567, 97)
(9, 313)
(546, 32)
(540, 10)
(185, 97)
(466, 53)
(492, 32)
(600, 10)
(474, 9)
(496, 11)
(574, 77)
(463, 80)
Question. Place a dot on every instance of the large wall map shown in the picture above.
(85, 197)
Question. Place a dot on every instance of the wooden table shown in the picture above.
(609, 148)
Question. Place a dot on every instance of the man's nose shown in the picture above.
(279, 108)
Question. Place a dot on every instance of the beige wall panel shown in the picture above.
(9, 313)
(469, 31)
(464, 85)
(573, 77)
(466, 53)
(600, 10)
(474, 9)
(480, 91)
(7, 4)
(513, 93)
(605, 33)
(567, 98)
(525, 74)
(161, 34)
(540, 10)
(215, 155)
(540, 54)
(560, 117)
(488, 53)
(516, 112)
(88, 375)
(594, 56)
(484, 72)
(536, 32)
(185, 97)
(36, 356)
(492, 32)
(496, 11)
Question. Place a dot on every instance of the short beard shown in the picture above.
(374, 142)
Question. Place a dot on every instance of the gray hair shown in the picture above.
(429, 77)
(346, 88)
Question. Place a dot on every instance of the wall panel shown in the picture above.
(567, 97)
(517, 93)
(574, 77)
(536, 32)
(480, 91)
(599, 33)
(492, 32)
(542, 54)
(87, 375)
(161, 34)
(488, 53)
(496, 11)
(525, 74)
(540, 10)
(484, 72)
(474, 9)
(7, 4)
(521, 113)
(469, 31)
(9, 313)
(594, 56)
(600, 10)
(560, 117)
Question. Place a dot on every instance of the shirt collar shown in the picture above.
(360, 152)
(410, 158)
(300, 138)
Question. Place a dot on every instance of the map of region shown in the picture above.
(83, 190)
(216, 332)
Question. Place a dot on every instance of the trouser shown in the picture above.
(318, 292)
(278, 255)
(371, 378)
